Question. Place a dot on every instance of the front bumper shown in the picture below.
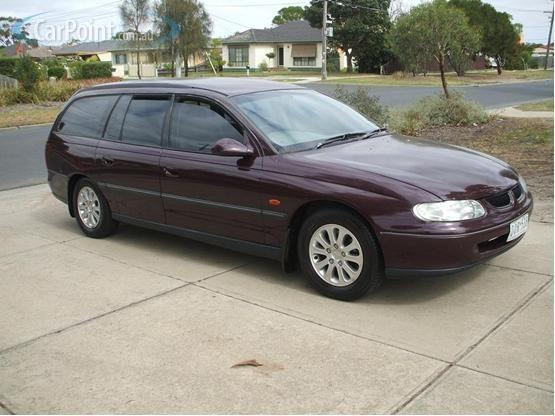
(438, 254)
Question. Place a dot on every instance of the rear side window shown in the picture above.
(86, 116)
(196, 126)
(113, 128)
(144, 120)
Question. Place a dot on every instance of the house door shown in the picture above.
(280, 56)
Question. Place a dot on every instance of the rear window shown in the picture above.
(144, 120)
(87, 116)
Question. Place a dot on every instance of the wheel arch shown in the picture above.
(73, 179)
(289, 257)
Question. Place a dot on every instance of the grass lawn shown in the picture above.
(25, 114)
(539, 106)
(471, 78)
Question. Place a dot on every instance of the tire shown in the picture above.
(92, 211)
(347, 271)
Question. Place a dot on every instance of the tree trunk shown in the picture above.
(349, 61)
(186, 64)
(441, 62)
(498, 62)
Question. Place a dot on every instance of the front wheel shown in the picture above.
(92, 211)
(339, 255)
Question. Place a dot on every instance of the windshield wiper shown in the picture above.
(342, 138)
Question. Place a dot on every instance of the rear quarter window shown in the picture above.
(87, 116)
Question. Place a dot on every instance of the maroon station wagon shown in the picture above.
(281, 172)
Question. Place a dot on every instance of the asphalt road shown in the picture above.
(21, 150)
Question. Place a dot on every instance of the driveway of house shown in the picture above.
(144, 322)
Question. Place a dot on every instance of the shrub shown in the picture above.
(27, 72)
(44, 91)
(436, 111)
(263, 66)
(75, 69)
(57, 72)
(7, 66)
(365, 104)
(91, 70)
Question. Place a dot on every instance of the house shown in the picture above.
(123, 55)
(296, 45)
(539, 54)
(37, 53)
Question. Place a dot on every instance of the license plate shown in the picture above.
(518, 227)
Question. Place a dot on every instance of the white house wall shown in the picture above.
(258, 51)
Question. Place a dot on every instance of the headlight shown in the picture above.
(449, 210)
(523, 185)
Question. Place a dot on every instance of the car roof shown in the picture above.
(224, 86)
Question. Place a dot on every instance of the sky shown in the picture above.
(56, 21)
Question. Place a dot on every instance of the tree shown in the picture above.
(27, 72)
(134, 14)
(358, 29)
(185, 25)
(499, 36)
(435, 30)
(288, 14)
(15, 29)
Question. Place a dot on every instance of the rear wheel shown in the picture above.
(92, 211)
(338, 254)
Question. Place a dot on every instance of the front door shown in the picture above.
(280, 56)
(217, 195)
(130, 156)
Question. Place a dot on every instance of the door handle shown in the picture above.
(106, 161)
(168, 173)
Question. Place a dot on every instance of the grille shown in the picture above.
(504, 200)
(517, 191)
(500, 200)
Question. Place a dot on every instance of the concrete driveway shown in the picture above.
(144, 322)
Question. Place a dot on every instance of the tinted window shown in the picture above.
(196, 126)
(113, 128)
(86, 116)
(300, 119)
(144, 120)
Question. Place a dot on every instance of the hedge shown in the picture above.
(7, 66)
(58, 72)
(96, 70)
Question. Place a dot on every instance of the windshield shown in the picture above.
(297, 120)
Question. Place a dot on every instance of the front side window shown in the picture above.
(296, 120)
(144, 120)
(304, 61)
(196, 126)
(238, 56)
(86, 117)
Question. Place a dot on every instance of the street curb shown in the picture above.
(25, 125)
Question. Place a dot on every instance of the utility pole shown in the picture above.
(549, 40)
(325, 40)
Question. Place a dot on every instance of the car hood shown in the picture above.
(449, 172)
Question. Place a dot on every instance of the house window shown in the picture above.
(238, 56)
(120, 58)
(304, 61)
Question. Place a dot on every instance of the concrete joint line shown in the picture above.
(6, 408)
(377, 341)
(525, 302)
(519, 270)
(52, 243)
(504, 378)
(102, 315)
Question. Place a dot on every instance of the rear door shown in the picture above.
(129, 156)
(219, 195)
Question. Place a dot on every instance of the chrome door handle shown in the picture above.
(106, 161)
(168, 173)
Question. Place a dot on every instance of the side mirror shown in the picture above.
(231, 147)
